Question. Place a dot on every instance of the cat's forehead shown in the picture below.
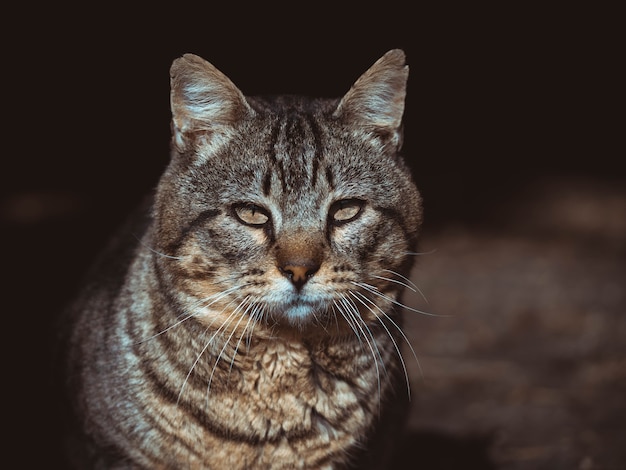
(294, 160)
(308, 152)
(285, 105)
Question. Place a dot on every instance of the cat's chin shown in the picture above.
(301, 313)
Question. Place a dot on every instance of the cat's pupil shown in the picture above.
(346, 210)
(342, 211)
(251, 214)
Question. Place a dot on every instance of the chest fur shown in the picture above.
(279, 402)
(288, 390)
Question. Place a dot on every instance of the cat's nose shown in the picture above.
(300, 272)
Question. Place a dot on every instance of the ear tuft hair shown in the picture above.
(376, 100)
(203, 100)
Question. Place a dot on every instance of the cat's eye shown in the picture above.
(251, 214)
(345, 210)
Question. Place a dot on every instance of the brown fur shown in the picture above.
(272, 341)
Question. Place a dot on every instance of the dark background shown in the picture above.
(497, 99)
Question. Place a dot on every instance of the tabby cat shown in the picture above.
(248, 318)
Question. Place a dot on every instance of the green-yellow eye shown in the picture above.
(251, 214)
(345, 210)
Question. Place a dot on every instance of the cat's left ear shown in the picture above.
(204, 102)
(376, 100)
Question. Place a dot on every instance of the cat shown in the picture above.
(248, 316)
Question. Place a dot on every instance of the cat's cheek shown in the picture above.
(348, 237)
(259, 237)
(344, 240)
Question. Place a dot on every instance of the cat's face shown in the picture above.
(288, 211)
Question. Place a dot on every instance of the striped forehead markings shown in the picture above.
(317, 138)
(276, 164)
(296, 136)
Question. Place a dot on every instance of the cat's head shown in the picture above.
(286, 211)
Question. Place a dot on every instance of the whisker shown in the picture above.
(219, 356)
(361, 297)
(395, 345)
(404, 278)
(257, 314)
(353, 311)
(245, 328)
(375, 291)
(348, 321)
(141, 242)
(197, 308)
(411, 283)
(208, 343)
(318, 322)
(394, 281)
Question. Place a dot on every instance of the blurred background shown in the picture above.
(511, 131)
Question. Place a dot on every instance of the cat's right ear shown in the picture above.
(205, 103)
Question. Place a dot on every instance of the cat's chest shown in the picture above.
(287, 389)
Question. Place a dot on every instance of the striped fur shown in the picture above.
(253, 325)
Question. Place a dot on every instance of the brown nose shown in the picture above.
(300, 272)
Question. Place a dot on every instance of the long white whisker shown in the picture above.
(208, 343)
(361, 297)
(245, 328)
(219, 356)
(404, 278)
(257, 315)
(348, 321)
(353, 311)
(404, 284)
(375, 291)
(155, 251)
(411, 283)
(196, 308)
(395, 345)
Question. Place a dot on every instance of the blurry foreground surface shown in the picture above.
(529, 371)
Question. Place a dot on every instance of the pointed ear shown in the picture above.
(376, 100)
(204, 102)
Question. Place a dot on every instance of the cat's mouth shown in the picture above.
(300, 311)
